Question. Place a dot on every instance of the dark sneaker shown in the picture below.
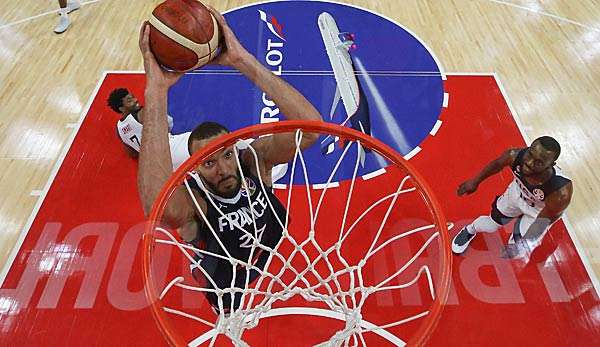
(461, 241)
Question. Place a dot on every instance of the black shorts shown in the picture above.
(497, 216)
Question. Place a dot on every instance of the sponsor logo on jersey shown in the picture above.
(126, 128)
(251, 188)
(531, 198)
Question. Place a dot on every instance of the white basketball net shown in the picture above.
(345, 301)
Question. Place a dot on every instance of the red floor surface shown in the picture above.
(76, 278)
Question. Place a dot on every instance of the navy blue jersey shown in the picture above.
(228, 219)
(233, 215)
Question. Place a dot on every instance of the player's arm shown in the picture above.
(279, 148)
(155, 164)
(140, 118)
(495, 166)
(556, 204)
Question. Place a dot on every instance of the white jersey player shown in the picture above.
(537, 196)
(129, 127)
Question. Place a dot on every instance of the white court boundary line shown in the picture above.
(390, 73)
(545, 14)
(377, 73)
(25, 231)
(436, 127)
(20, 21)
(578, 246)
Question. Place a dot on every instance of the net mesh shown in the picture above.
(313, 263)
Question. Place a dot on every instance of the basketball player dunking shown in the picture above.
(219, 174)
(537, 196)
(129, 127)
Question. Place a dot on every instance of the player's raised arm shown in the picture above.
(279, 148)
(495, 166)
(155, 165)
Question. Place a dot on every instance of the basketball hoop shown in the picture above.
(331, 263)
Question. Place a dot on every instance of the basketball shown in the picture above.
(184, 35)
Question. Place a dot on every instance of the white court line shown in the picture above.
(446, 99)
(391, 72)
(412, 153)
(279, 186)
(578, 247)
(461, 73)
(511, 108)
(324, 72)
(587, 264)
(36, 208)
(300, 73)
(124, 71)
(546, 14)
(40, 15)
(325, 185)
(373, 174)
(291, 72)
(436, 127)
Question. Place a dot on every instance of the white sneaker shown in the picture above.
(73, 6)
(461, 241)
(63, 24)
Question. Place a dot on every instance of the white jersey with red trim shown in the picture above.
(130, 132)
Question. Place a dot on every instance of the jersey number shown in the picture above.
(135, 139)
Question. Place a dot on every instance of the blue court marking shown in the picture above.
(402, 83)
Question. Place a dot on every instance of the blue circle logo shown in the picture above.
(358, 68)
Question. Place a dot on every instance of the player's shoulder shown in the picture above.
(509, 156)
(130, 118)
(515, 151)
(561, 174)
(561, 198)
(123, 121)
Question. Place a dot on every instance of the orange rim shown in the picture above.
(152, 294)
